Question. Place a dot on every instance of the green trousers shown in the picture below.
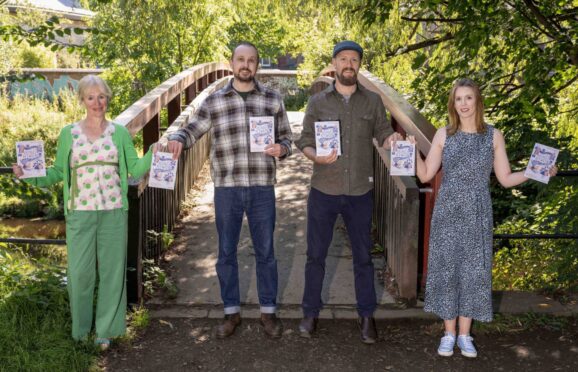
(96, 240)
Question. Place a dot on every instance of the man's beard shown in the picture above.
(244, 79)
(347, 81)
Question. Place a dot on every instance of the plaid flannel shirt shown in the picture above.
(226, 115)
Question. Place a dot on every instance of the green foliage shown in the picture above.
(156, 279)
(523, 322)
(34, 57)
(138, 318)
(165, 238)
(34, 317)
(129, 42)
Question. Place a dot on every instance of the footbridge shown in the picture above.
(402, 207)
(401, 214)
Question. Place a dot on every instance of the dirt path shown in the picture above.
(408, 345)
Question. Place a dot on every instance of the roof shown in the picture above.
(70, 9)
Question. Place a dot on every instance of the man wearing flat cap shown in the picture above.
(343, 184)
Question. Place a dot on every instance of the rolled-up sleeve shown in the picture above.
(198, 125)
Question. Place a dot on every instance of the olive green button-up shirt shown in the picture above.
(361, 118)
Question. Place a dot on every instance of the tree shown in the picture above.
(142, 43)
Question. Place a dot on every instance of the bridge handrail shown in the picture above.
(140, 113)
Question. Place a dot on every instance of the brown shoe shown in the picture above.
(307, 326)
(368, 329)
(229, 325)
(272, 325)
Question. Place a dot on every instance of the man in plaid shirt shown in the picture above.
(243, 180)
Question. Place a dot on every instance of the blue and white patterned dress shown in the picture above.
(459, 276)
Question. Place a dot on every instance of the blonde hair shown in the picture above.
(453, 114)
(90, 81)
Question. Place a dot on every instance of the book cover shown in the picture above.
(402, 159)
(327, 137)
(163, 171)
(542, 159)
(261, 132)
(30, 157)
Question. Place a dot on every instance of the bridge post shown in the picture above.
(174, 109)
(190, 93)
(134, 247)
(212, 77)
(150, 132)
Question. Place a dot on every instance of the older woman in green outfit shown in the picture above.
(94, 157)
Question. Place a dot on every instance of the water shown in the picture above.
(32, 228)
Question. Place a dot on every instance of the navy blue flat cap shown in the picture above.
(347, 45)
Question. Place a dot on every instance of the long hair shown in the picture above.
(454, 118)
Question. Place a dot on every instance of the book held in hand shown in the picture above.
(327, 137)
(402, 159)
(30, 157)
(542, 159)
(163, 171)
(261, 132)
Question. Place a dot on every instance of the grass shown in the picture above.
(513, 323)
(35, 318)
(35, 324)
(505, 323)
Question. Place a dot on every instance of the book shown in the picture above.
(163, 171)
(261, 132)
(327, 137)
(30, 157)
(542, 159)
(402, 159)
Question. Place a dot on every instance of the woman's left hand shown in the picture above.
(553, 171)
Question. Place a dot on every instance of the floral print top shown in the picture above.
(94, 167)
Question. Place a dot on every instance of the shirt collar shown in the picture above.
(360, 89)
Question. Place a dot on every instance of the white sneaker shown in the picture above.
(447, 343)
(467, 346)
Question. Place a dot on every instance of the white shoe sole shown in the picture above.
(445, 353)
(469, 355)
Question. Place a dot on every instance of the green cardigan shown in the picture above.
(128, 162)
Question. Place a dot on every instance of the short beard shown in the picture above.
(347, 81)
(244, 79)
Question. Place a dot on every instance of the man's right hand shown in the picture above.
(175, 147)
(328, 159)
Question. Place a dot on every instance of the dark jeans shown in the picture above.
(322, 211)
(258, 203)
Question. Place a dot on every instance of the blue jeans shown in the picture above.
(322, 211)
(258, 203)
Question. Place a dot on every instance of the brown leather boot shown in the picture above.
(368, 329)
(229, 325)
(272, 325)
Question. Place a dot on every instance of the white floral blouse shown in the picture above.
(95, 182)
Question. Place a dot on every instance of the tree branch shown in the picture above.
(420, 45)
(553, 27)
(530, 20)
(567, 84)
(447, 20)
